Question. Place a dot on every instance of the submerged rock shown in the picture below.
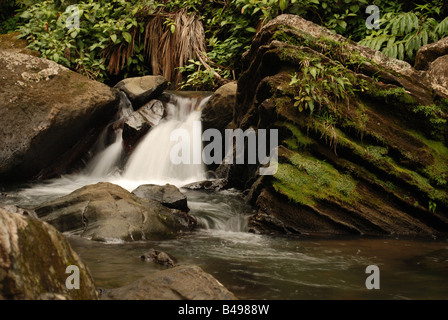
(49, 115)
(159, 257)
(34, 258)
(184, 282)
(140, 90)
(371, 157)
(168, 195)
(107, 212)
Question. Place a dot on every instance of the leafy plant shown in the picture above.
(401, 34)
(319, 85)
(432, 206)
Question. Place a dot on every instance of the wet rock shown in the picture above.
(34, 257)
(207, 185)
(49, 116)
(13, 209)
(140, 90)
(168, 195)
(218, 112)
(159, 257)
(184, 282)
(107, 212)
(141, 121)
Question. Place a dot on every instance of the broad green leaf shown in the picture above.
(127, 36)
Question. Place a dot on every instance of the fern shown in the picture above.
(401, 35)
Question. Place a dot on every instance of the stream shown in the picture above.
(251, 266)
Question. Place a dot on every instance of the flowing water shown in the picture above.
(252, 266)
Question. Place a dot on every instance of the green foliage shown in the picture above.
(102, 24)
(319, 85)
(229, 26)
(432, 206)
(401, 34)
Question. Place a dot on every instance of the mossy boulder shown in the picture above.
(363, 140)
(34, 258)
(107, 212)
(49, 115)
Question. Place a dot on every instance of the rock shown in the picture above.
(168, 195)
(140, 90)
(159, 257)
(107, 212)
(352, 166)
(438, 73)
(13, 209)
(141, 121)
(34, 257)
(49, 116)
(218, 112)
(208, 185)
(12, 43)
(430, 52)
(184, 282)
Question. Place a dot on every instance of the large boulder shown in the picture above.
(218, 111)
(168, 195)
(49, 115)
(185, 282)
(141, 121)
(140, 90)
(107, 212)
(438, 74)
(430, 52)
(34, 258)
(363, 141)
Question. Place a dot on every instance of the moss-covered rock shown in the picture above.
(363, 137)
(34, 258)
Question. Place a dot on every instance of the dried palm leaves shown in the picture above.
(166, 48)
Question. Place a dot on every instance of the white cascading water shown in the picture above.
(151, 161)
(106, 162)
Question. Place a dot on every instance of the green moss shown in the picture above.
(306, 180)
(437, 173)
(298, 140)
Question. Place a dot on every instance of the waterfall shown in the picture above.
(151, 162)
(107, 161)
